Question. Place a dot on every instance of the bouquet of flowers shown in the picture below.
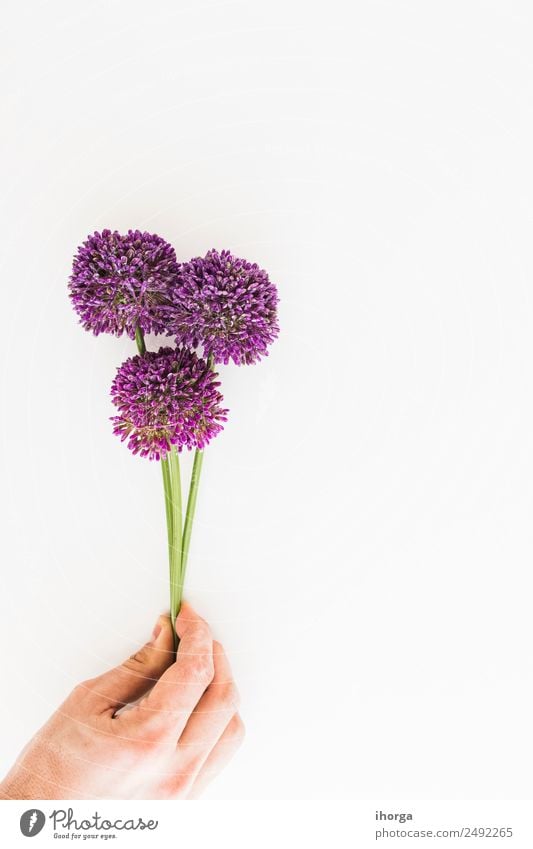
(216, 309)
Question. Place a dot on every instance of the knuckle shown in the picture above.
(200, 669)
(80, 700)
(238, 729)
(199, 632)
(83, 690)
(153, 727)
(229, 695)
(137, 659)
(83, 687)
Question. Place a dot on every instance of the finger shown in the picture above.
(135, 676)
(210, 717)
(167, 708)
(218, 758)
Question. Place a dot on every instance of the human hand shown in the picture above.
(169, 745)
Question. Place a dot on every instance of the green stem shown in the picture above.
(192, 497)
(176, 580)
(167, 487)
(170, 468)
(139, 338)
(191, 507)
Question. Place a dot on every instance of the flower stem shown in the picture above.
(165, 468)
(139, 338)
(193, 495)
(170, 469)
(191, 507)
(175, 549)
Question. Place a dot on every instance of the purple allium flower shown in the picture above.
(119, 282)
(166, 398)
(227, 305)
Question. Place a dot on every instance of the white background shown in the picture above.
(363, 544)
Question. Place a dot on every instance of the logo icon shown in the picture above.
(32, 822)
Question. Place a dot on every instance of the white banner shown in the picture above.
(357, 824)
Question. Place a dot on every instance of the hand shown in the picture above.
(168, 745)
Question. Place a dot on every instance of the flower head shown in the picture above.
(119, 282)
(225, 304)
(164, 398)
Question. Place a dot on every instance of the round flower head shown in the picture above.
(227, 305)
(119, 282)
(166, 398)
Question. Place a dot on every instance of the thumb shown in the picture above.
(137, 674)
